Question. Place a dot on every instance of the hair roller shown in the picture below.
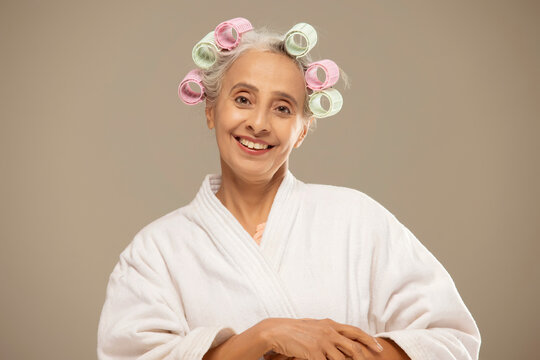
(224, 35)
(334, 98)
(331, 72)
(205, 52)
(306, 32)
(185, 93)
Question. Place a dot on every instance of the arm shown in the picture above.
(248, 345)
(143, 316)
(391, 351)
(415, 302)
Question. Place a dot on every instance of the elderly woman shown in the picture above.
(263, 265)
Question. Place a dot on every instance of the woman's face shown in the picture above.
(262, 98)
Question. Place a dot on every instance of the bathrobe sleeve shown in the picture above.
(414, 301)
(143, 317)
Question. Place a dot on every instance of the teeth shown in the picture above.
(252, 145)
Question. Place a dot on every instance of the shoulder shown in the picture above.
(349, 199)
(361, 213)
(172, 221)
(154, 240)
(352, 208)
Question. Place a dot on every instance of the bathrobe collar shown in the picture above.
(257, 261)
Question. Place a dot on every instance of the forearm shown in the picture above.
(248, 345)
(391, 351)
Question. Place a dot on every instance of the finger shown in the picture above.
(338, 352)
(353, 351)
(275, 356)
(355, 333)
(270, 355)
(280, 357)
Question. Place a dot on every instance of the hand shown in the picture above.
(272, 355)
(317, 339)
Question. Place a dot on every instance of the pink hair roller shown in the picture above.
(331, 71)
(224, 36)
(185, 93)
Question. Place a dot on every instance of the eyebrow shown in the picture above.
(254, 88)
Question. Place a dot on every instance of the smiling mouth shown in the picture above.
(238, 139)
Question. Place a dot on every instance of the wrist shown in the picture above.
(250, 344)
(264, 330)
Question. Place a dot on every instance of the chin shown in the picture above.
(250, 169)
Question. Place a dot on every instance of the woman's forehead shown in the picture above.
(267, 71)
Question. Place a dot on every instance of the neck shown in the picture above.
(249, 199)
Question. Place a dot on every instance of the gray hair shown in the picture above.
(258, 39)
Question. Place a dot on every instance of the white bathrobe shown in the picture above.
(194, 277)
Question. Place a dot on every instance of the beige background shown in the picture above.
(440, 126)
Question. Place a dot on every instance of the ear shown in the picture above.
(209, 110)
(304, 132)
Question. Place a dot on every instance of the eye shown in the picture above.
(284, 109)
(241, 100)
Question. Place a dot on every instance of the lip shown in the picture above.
(252, 140)
(252, 152)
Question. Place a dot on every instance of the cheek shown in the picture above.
(230, 116)
(289, 129)
(288, 137)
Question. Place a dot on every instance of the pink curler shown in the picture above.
(185, 93)
(331, 71)
(223, 34)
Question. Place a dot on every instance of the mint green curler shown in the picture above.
(204, 53)
(334, 98)
(307, 32)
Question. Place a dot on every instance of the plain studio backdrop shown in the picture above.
(440, 126)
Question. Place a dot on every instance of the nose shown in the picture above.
(259, 121)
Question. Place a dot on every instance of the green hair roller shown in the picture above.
(205, 51)
(307, 32)
(334, 98)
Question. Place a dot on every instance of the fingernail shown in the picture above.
(379, 346)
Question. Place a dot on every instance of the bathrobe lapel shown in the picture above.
(260, 263)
